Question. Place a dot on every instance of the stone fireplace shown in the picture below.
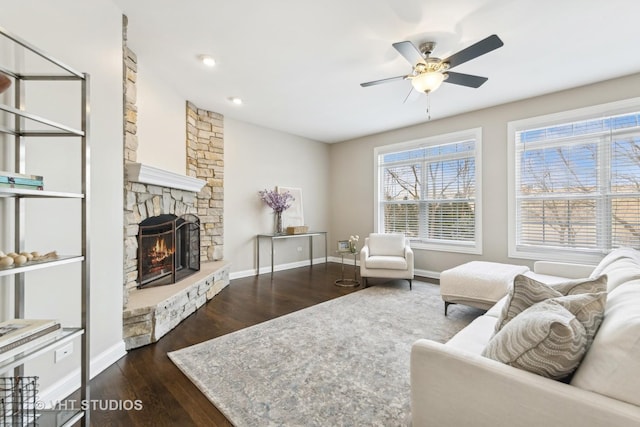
(166, 202)
(186, 219)
(168, 249)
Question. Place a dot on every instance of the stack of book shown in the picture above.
(18, 180)
(20, 335)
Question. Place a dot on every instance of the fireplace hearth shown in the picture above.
(168, 249)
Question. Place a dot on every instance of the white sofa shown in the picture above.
(452, 384)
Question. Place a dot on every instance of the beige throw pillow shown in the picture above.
(526, 292)
(545, 339)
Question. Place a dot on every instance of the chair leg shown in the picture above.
(446, 306)
(410, 284)
(364, 282)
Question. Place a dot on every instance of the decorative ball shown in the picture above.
(20, 259)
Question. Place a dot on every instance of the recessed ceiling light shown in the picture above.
(207, 60)
(236, 100)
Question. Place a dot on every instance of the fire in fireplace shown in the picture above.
(168, 249)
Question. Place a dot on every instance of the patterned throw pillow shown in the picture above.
(588, 309)
(526, 292)
(549, 338)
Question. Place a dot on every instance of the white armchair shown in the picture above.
(388, 256)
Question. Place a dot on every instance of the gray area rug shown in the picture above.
(344, 362)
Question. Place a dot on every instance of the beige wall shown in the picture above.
(352, 164)
(258, 158)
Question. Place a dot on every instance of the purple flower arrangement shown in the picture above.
(277, 201)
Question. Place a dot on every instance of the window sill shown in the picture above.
(461, 249)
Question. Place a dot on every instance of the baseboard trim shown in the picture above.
(107, 358)
(277, 267)
(71, 382)
(427, 273)
(348, 260)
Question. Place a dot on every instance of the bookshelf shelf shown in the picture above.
(37, 265)
(38, 194)
(68, 131)
(65, 336)
(61, 418)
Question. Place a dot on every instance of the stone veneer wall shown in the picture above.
(205, 160)
(130, 130)
(149, 318)
(205, 153)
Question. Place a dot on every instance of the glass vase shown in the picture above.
(278, 223)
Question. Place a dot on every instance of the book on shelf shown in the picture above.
(20, 335)
(25, 181)
(21, 186)
(20, 178)
(43, 337)
(21, 175)
(16, 329)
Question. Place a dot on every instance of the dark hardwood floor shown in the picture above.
(167, 397)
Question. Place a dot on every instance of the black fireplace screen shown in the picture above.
(168, 249)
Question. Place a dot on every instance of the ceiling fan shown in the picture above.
(429, 72)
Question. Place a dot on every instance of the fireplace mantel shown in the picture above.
(145, 174)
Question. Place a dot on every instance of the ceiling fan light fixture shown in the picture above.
(427, 82)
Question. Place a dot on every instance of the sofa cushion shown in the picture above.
(526, 292)
(386, 244)
(545, 339)
(475, 336)
(620, 265)
(612, 365)
(496, 309)
(386, 262)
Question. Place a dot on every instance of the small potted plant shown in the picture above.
(353, 243)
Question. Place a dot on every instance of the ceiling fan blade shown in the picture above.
(483, 46)
(465, 79)
(378, 82)
(410, 52)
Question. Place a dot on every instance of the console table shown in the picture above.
(274, 237)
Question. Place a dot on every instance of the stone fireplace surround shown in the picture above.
(148, 314)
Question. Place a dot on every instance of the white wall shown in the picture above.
(258, 158)
(161, 121)
(352, 165)
(87, 37)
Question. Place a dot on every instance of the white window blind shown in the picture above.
(577, 185)
(428, 192)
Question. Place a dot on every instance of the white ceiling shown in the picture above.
(298, 64)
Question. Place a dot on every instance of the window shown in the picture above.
(430, 190)
(576, 183)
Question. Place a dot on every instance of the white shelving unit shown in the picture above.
(20, 116)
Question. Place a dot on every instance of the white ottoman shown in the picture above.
(478, 283)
